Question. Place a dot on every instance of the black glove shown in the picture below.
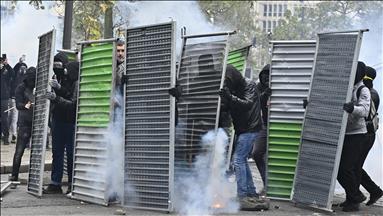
(225, 94)
(348, 107)
(305, 103)
(176, 91)
(267, 92)
(124, 79)
(50, 95)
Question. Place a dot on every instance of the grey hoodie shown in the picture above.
(356, 123)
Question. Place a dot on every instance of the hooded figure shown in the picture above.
(24, 103)
(350, 167)
(59, 64)
(19, 70)
(264, 91)
(63, 112)
(242, 98)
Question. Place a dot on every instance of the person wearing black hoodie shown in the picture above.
(24, 103)
(243, 101)
(6, 72)
(375, 191)
(63, 99)
(260, 144)
(19, 71)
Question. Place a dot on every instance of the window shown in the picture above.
(264, 25)
(284, 9)
(280, 13)
(275, 11)
(268, 26)
(270, 11)
(265, 10)
(274, 24)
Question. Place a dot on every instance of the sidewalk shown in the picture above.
(7, 152)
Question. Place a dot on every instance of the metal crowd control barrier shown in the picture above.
(149, 117)
(44, 71)
(290, 77)
(325, 120)
(238, 58)
(94, 113)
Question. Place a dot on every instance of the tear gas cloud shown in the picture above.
(205, 185)
(20, 31)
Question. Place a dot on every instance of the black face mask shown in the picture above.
(59, 71)
(368, 83)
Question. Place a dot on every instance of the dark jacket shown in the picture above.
(245, 109)
(18, 76)
(6, 78)
(64, 106)
(263, 100)
(23, 95)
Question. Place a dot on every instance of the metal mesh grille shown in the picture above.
(200, 78)
(290, 77)
(40, 113)
(325, 120)
(148, 116)
(93, 116)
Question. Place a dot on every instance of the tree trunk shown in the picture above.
(108, 23)
(67, 34)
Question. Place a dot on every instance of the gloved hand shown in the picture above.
(225, 94)
(305, 103)
(176, 91)
(50, 95)
(348, 107)
(54, 84)
(267, 92)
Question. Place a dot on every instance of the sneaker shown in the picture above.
(13, 140)
(374, 198)
(252, 204)
(351, 207)
(69, 190)
(53, 189)
(12, 178)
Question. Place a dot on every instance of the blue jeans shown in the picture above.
(62, 139)
(244, 145)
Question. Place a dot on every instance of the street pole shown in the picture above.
(67, 34)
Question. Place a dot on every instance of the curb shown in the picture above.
(23, 168)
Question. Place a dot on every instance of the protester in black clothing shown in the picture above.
(24, 103)
(63, 99)
(355, 137)
(6, 78)
(260, 144)
(375, 191)
(19, 71)
(242, 98)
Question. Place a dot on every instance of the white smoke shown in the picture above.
(205, 189)
(186, 13)
(20, 31)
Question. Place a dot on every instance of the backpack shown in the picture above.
(372, 120)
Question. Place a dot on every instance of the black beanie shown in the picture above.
(61, 57)
(360, 72)
(370, 72)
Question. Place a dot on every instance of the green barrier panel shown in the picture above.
(284, 139)
(95, 85)
(238, 58)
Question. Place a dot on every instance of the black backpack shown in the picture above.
(372, 120)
